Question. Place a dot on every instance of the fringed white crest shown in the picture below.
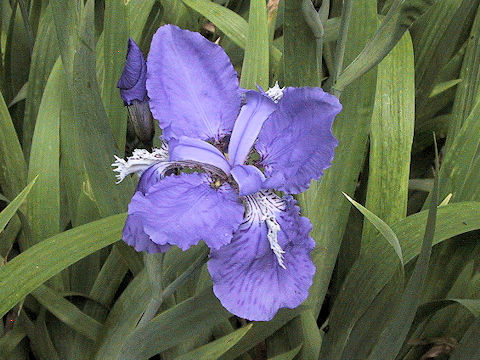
(276, 92)
(140, 161)
(263, 206)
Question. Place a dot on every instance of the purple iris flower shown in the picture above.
(238, 146)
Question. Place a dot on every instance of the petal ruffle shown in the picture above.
(192, 85)
(248, 178)
(185, 149)
(134, 235)
(253, 114)
(132, 81)
(296, 142)
(182, 210)
(247, 276)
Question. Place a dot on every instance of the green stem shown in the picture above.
(324, 11)
(340, 49)
(314, 22)
(158, 298)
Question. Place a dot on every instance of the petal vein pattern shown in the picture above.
(247, 275)
(296, 142)
(184, 209)
(192, 86)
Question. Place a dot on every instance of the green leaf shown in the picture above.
(182, 322)
(261, 330)
(215, 349)
(361, 287)
(399, 18)
(381, 226)
(438, 34)
(43, 208)
(21, 95)
(115, 47)
(45, 53)
(444, 86)
(300, 67)
(39, 263)
(394, 334)
(231, 24)
(66, 17)
(93, 134)
(138, 12)
(467, 95)
(472, 305)
(391, 137)
(14, 205)
(123, 318)
(468, 348)
(67, 312)
(255, 68)
(13, 169)
(289, 355)
(460, 159)
(10, 340)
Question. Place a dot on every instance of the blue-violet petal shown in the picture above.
(296, 142)
(192, 85)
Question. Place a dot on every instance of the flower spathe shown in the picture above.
(238, 146)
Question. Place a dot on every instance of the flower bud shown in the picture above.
(134, 75)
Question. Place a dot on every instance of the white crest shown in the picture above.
(276, 92)
(264, 206)
(140, 161)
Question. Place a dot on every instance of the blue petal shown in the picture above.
(192, 85)
(252, 116)
(132, 81)
(247, 277)
(296, 142)
(248, 178)
(192, 149)
(134, 235)
(182, 210)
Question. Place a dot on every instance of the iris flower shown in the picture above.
(230, 160)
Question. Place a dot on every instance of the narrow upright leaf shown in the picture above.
(400, 17)
(391, 137)
(43, 209)
(115, 48)
(13, 168)
(12, 208)
(255, 69)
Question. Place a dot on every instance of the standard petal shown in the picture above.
(247, 276)
(134, 75)
(253, 114)
(296, 142)
(249, 179)
(182, 210)
(134, 235)
(191, 149)
(192, 85)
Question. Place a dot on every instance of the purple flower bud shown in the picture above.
(132, 82)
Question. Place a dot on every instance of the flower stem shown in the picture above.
(159, 296)
(314, 22)
(340, 49)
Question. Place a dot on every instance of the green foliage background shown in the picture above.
(388, 285)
